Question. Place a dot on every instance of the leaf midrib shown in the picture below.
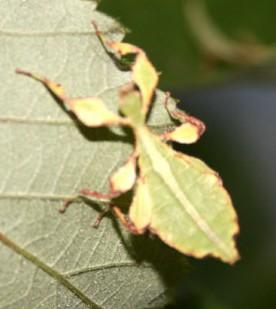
(50, 271)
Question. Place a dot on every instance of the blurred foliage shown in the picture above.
(160, 28)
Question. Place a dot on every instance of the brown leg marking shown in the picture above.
(99, 218)
(105, 197)
(124, 220)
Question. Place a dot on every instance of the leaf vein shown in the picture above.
(50, 271)
(103, 267)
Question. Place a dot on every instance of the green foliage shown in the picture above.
(181, 59)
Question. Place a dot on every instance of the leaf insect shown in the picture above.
(176, 196)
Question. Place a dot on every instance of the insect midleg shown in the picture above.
(124, 219)
(98, 196)
(103, 198)
(99, 218)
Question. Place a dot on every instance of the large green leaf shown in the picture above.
(48, 260)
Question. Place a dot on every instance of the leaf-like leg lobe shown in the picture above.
(53, 87)
(144, 74)
(91, 111)
(190, 129)
(124, 178)
(182, 116)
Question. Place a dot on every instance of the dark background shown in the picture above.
(238, 104)
(240, 143)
